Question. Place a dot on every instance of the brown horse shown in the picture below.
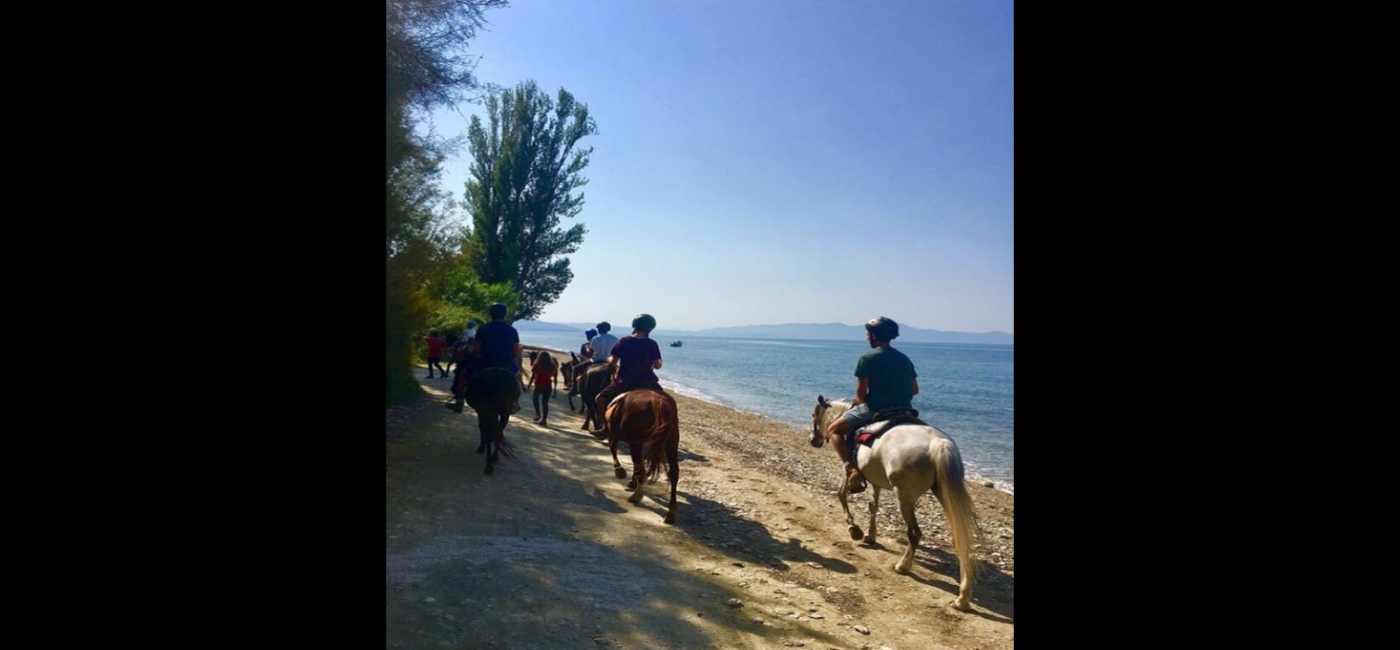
(646, 420)
(587, 385)
(491, 393)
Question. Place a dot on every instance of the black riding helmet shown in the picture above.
(644, 323)
(497, 311)
(604, 327)
(883, 329)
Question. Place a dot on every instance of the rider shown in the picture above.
(600, 343)
(581, 360)
(585, 355)
(497, 345)
(603, 343)
(635, 359)
(885, 378)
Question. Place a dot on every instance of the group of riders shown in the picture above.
(886, 381)
(634, 359)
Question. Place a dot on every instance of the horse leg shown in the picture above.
(488, 440)
(907, 499)
(586, 410)
(673, 472)
(851, 526)
(874, 506)
(637, 465)
(617, 465)
(483, 426)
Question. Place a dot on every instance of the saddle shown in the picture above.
(884, 419)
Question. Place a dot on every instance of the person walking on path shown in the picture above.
(435, 346)
(546, 375)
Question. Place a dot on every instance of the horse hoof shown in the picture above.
(855, 532)
(622, 473)
(960, 605)
(490, 469)
(670, 518)
(632, 484)
(901, 570)
(635, 498)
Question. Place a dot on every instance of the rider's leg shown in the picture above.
(851, 420)
(604, 396)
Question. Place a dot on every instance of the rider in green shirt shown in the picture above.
(885, 378)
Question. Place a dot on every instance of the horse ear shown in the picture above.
(821, 400)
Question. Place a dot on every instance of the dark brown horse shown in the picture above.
(587, 385)
(492, 393)
(646, 420)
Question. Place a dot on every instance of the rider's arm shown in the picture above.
(862, 387)
(656, 364)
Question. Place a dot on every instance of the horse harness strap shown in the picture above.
(884, 420)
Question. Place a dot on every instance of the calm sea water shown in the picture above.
(967, 391)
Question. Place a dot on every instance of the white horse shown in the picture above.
(911, 459)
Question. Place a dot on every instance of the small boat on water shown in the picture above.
(675, 344)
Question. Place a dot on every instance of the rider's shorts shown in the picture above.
(858, 416)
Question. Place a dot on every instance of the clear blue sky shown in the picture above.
(779, 161)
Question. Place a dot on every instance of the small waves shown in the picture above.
(682, 389)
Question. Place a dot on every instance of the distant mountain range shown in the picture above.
(824, 331)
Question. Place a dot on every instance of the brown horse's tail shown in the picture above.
(664, 426)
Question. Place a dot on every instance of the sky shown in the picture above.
(777, 161)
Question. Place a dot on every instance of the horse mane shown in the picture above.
(835, 409)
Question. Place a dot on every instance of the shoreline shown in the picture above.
(700, 405)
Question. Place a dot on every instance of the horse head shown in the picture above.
(823, 414)
(818, 413)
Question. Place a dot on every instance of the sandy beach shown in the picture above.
(759, 556)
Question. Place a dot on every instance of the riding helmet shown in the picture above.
(604, 327)
(883, 329)
(497, 311)
(590, 334)
(644, 323)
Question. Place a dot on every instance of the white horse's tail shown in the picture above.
(951, 490)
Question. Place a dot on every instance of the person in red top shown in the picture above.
(435, 345)
(635, 360)
(545, 373)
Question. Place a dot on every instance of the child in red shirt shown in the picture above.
(435, 345)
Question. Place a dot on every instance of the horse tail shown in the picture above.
(503, 446)
(663, 425)
(951, 490)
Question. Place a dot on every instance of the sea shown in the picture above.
(966, 390)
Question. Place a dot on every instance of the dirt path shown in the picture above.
(546, 553)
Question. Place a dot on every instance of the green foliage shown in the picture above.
(467, 299)
(525, 170)
(425, 66)
(425, 42)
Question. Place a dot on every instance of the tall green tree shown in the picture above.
(426, 65)
(526, 167)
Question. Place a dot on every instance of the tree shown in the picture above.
(523, 175)
(425, 66)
